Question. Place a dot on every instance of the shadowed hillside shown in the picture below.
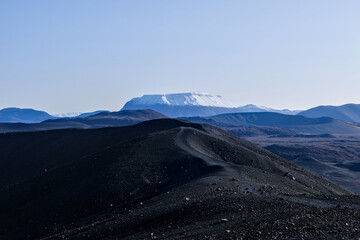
(158, 178)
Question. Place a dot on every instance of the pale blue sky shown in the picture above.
(72, 55)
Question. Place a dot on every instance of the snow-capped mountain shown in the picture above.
(192, 104)
(67, 115)
(78, 114)
(182, 99)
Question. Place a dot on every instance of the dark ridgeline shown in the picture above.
(102, 119)
(161, 178)
(299, 123)
(259, 123)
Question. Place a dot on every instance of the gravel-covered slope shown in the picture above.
(164, 179)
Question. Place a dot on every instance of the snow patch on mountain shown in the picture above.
(67, 115)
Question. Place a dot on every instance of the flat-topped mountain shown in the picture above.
(162, 178)
(192, 104)
(182, 99)
(27, 115)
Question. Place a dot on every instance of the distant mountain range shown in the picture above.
(103, 119)
(241, 124)
(347, 112)
(298, 123)
(28, 115)
(187, 105)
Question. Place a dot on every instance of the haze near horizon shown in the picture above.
(66, 56)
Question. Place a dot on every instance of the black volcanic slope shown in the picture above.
(103, 119)
(164, 179)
